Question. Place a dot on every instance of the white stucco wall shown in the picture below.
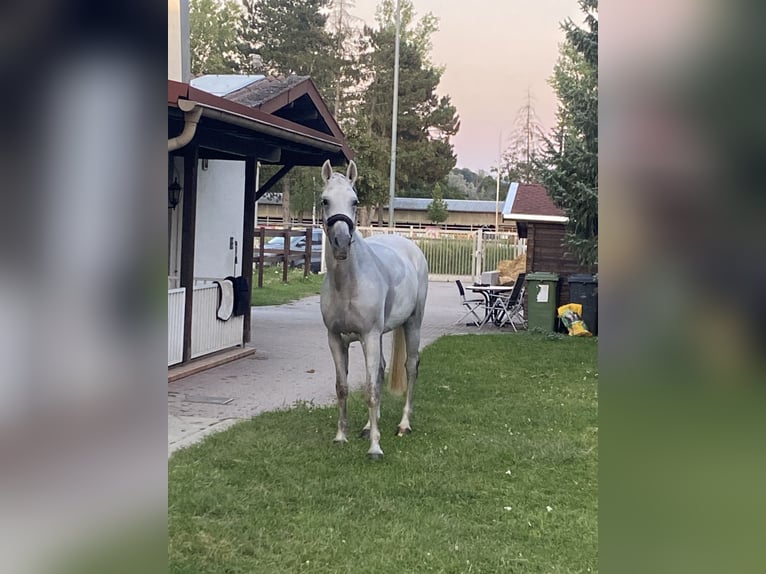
(175, 170)
(220, 208)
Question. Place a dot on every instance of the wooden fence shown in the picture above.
(285, 255)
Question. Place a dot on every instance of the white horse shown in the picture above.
(372, 286)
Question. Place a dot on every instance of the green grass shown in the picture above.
(274, 292)
(505, 426)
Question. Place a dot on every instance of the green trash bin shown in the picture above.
(542, 289)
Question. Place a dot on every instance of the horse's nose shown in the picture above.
(341, 240)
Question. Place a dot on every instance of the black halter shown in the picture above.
(333, 219)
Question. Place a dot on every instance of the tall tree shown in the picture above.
(569, 168)
(524, 145)
(213, 36)
(425, 122)
(457, 187)
(345, 34)
(283, 37)
(289, 37)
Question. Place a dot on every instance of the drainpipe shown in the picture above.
(192, 113)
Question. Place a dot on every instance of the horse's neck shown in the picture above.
(344, 275)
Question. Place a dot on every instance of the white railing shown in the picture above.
(458, 254)
(209, 333)
(176, 300)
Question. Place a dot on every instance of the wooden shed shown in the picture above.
(543, 224)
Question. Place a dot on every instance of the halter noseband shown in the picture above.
(333, 219)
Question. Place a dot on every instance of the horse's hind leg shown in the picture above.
(339, 351)
(412, 343)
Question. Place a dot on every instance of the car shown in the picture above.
(316, 249)
(274, 250)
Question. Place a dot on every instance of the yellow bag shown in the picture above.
(570, 314)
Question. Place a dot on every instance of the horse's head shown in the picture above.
(339, 203)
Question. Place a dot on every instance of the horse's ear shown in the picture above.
(351, 172)
(326, 171)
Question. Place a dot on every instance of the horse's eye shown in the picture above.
(325, 202)
(355, 203)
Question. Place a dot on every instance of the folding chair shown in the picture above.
(507, 308)
(472, 305)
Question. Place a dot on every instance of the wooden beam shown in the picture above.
(303, 115)
(248, 230)
(264, 189)
(238, 146)
(188, 232)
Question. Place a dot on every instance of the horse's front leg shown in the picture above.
(339, 351)
(382, 375)
(372, 358)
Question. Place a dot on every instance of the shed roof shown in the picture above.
(533, 203)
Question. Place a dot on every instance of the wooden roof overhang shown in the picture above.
(230, 130)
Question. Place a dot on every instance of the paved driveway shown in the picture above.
(292, 363)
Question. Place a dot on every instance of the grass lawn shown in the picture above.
(499, 475)
(274, 292)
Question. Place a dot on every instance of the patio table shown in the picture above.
(491, 293)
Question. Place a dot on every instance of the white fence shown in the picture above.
(209, 333)
(459, 254)
(176, 299)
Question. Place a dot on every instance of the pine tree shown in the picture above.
(290, 37)
(524, 146)
(213, 36)
(341, 26)
(437, 209)
(426, 121)
(569, 168)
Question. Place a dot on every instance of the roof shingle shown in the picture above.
(533, 199)
(256, 93)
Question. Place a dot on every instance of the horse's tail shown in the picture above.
(398, 380)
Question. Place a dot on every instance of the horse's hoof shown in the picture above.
(365, 433)
(375, 455)
(402, 432)
(338, 440)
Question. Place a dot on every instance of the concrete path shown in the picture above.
(292, 363)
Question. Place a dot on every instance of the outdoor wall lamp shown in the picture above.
(174, 194)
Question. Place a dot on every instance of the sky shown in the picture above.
(493, 51)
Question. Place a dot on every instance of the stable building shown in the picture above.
(220, 128)
(462, 214)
